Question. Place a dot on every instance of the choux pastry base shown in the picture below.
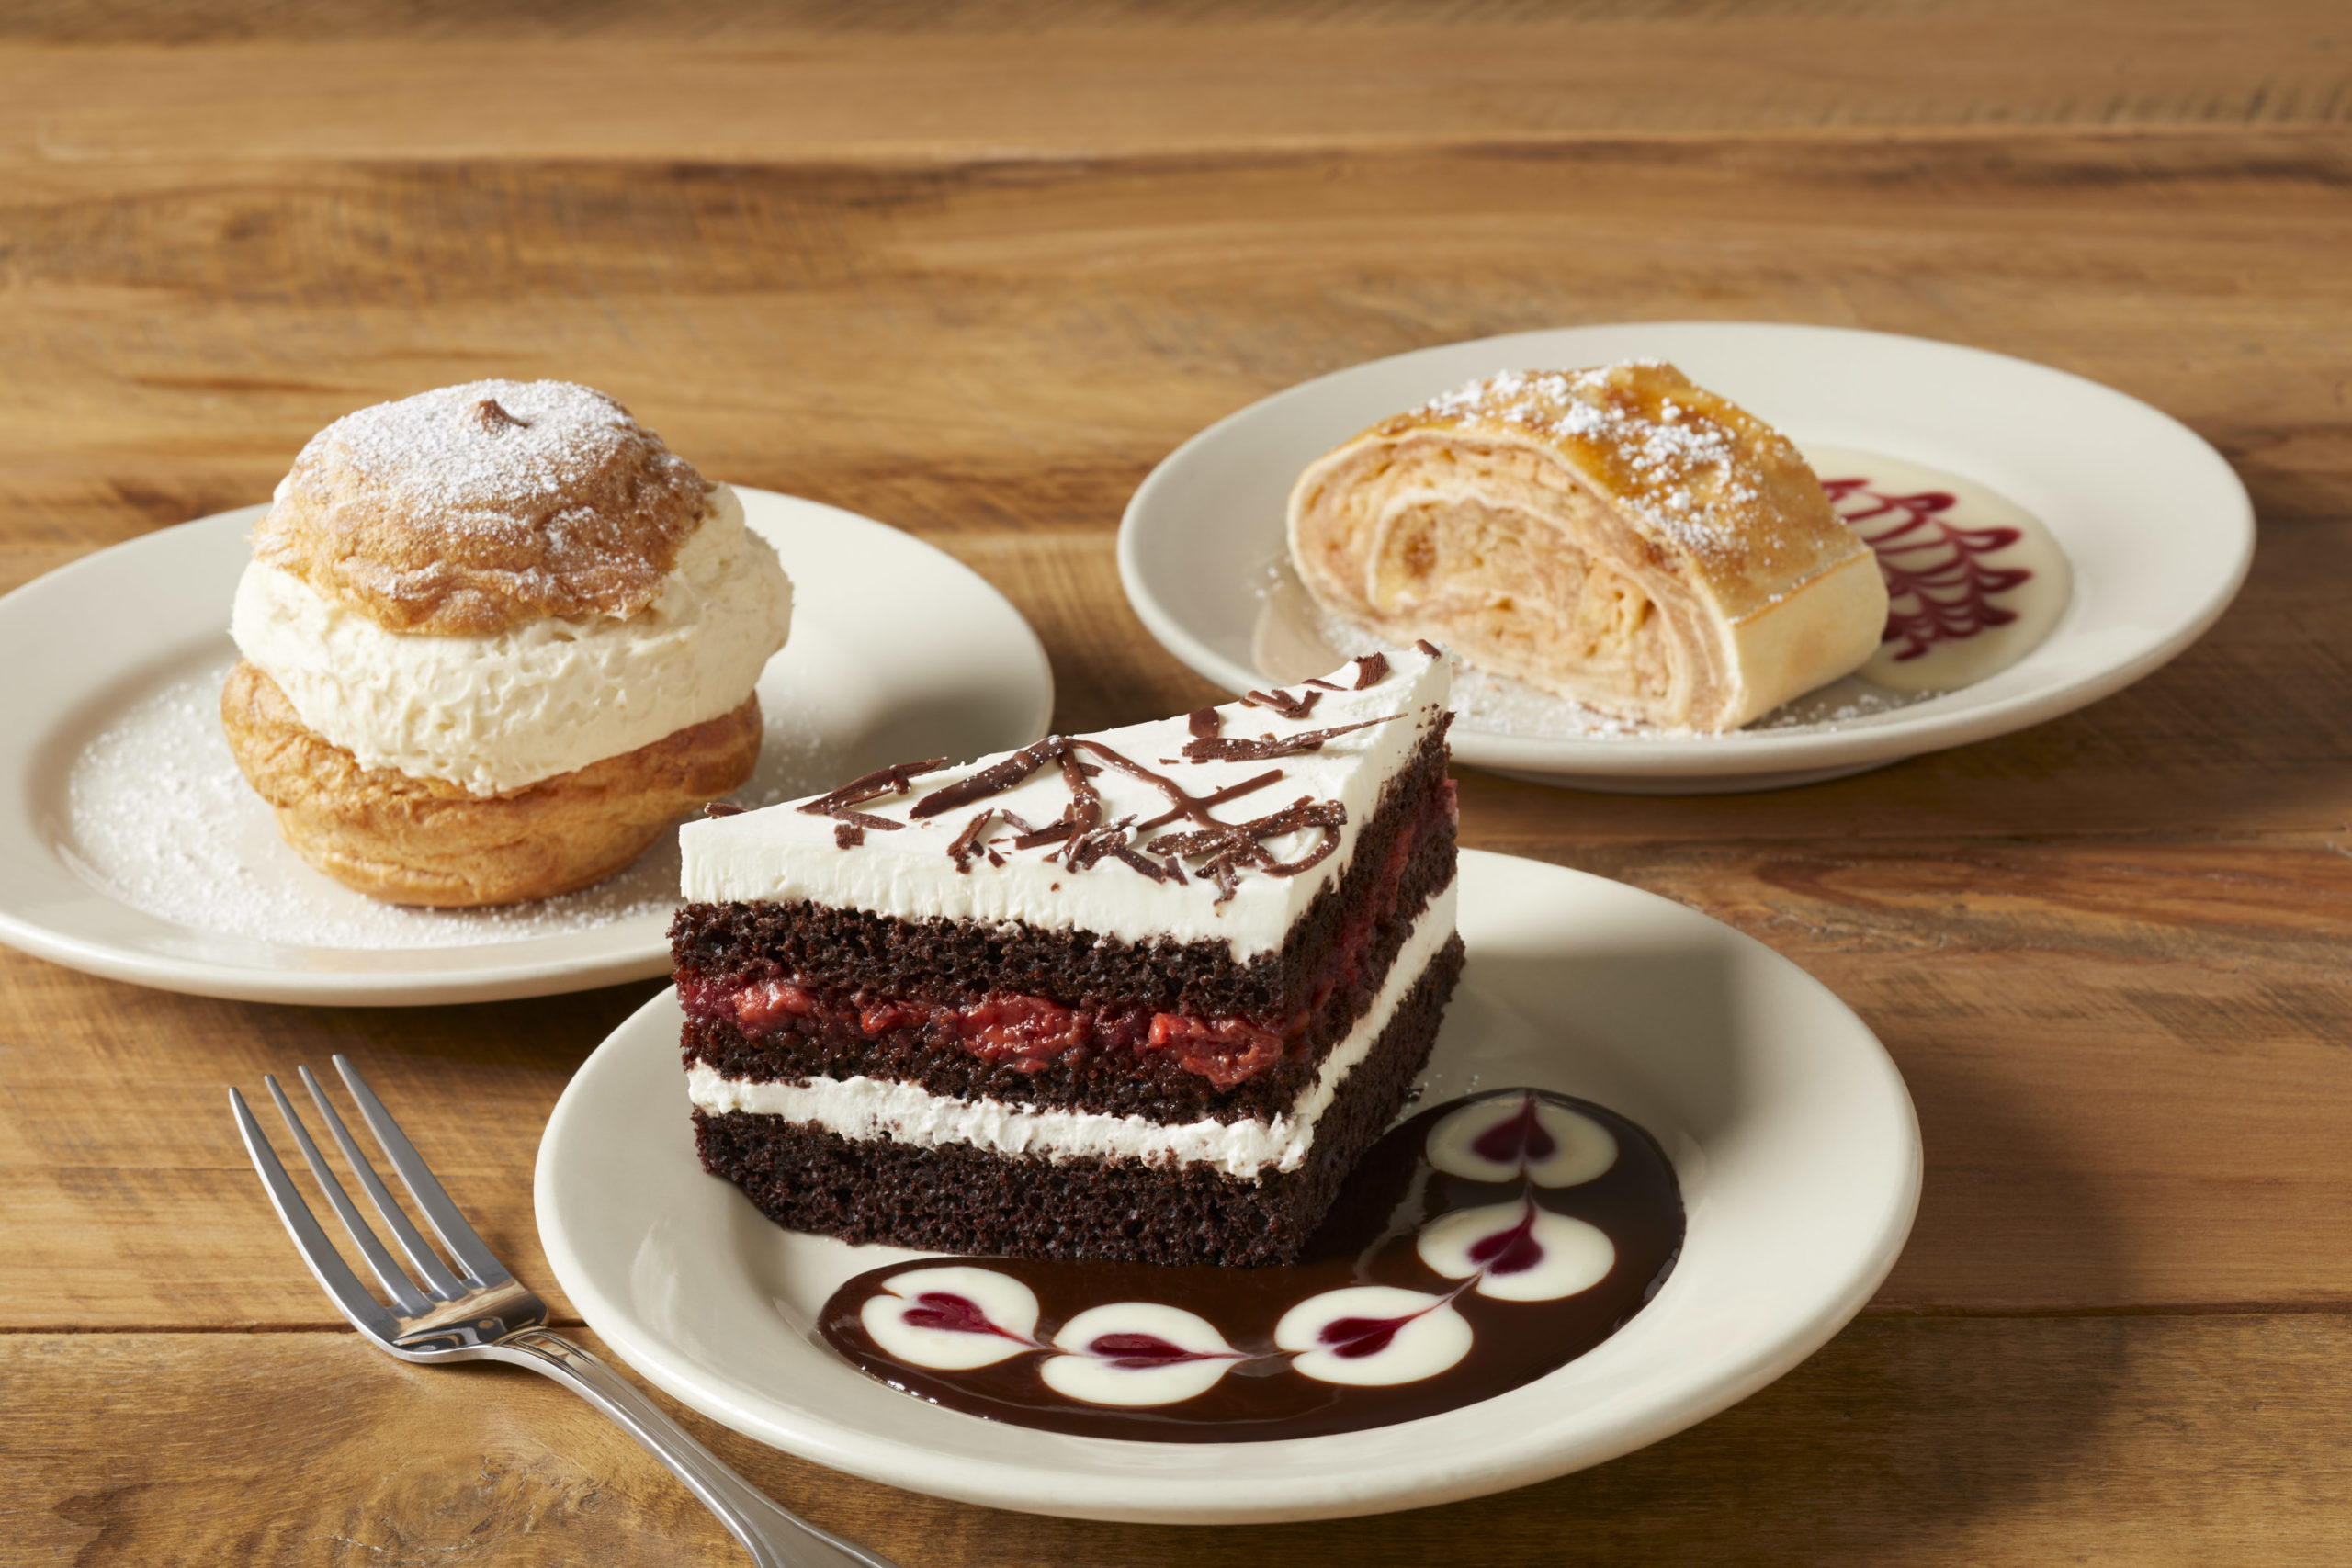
(426, 842)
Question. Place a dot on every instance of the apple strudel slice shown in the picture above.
(1617, 536)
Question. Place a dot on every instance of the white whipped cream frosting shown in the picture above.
(867, 1108)
(499, 713)
(783, 854)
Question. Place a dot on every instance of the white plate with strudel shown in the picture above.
(1697, 556)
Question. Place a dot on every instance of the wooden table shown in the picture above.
(973, 270)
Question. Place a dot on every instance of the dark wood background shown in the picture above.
(972, 269)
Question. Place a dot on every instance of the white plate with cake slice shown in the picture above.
(1788, 1127)
(129, 846)
(2137, 536)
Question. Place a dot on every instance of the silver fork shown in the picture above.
(486, 1316)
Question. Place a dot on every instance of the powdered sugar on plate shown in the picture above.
(159, 819)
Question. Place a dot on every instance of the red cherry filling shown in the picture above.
(1225, 1051)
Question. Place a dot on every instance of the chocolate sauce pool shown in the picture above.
(1484, 1243)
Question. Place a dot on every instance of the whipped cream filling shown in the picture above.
(783, 855)
(500, 713)
(865, 1109)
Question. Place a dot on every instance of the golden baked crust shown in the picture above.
(470, 509)
(412, 840)
(1617, 536)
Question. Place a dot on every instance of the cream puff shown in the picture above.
(497, 637)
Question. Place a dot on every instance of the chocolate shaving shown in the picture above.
(1206, 722)
(1088, 848)
(849, 835)
(995, 859)
(1085, 809)
(892, 780)
(1283, 703)
(990, 780)
(968, 842)
(1228, 839)
(1091, 845)
(1052, 833)
(1306, 862)
(1269, 746)
(1230, 846)
(717, 809)
(1151, 868)
(1425, 645)
(1370, 670)
(1304, 812)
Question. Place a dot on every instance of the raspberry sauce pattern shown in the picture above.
(1939, 585)
(1974, 583)
(1480, 1246)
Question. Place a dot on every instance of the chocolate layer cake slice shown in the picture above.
(1143, 995)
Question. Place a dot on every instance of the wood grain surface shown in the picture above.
(1947, 1442)
(972, 269)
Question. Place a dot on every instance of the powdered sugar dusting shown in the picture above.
(481, 444)
(159, 819)
(468, 510)
(1682, 471)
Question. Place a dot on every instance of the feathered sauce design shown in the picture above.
(1973, 581)
(1938, 587)
(1480, 1245)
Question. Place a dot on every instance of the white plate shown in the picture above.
(2157, 527)
(897, 652)
(1790, 1130)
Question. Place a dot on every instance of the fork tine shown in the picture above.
(333, 1275)
(450, 1226)
(437, 1275)
(410, 1301)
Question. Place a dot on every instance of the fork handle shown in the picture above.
(775, 1539)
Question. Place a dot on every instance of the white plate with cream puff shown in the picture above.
(1696, 557)
(419, 729)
